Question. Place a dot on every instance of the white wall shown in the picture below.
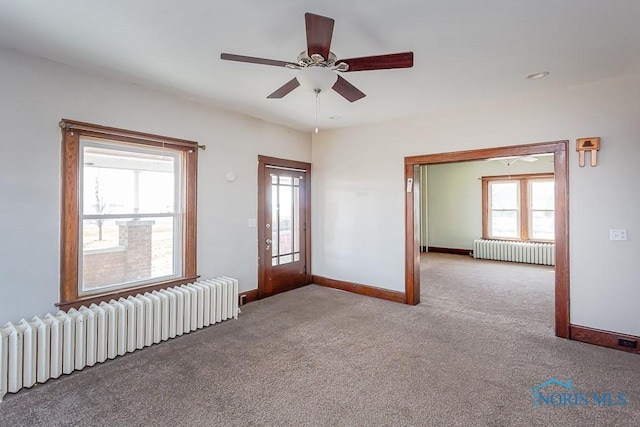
(358, 190)
(455, 198)
(35, 94)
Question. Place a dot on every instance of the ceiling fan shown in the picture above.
(318, 66)
(508, 161)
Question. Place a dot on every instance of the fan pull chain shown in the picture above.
(317, 91)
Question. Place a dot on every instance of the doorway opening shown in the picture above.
(561, 219)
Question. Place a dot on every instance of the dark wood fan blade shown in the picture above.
(347, 90)
(252, 60)
(319, 33)
(285, 89)
(380, 62)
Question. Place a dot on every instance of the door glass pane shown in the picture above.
(542, 195)
(542, 225)
(285, 259)
(296, 219)
(504, 195)
(504, 224)
(275, 241)
(286, 223)
(285, 180)
(285, 210)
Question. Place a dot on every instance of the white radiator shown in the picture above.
(527, 252)
(32, 351)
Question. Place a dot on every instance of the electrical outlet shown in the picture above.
(617, 234)
(627, 343)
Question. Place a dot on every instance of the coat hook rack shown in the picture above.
(588, 144)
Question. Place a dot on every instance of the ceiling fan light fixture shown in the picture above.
(317, 78)
(318, 67)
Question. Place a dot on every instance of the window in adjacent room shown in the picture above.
(128, 211)
(518, 207)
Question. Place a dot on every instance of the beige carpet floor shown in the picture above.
(469, 355)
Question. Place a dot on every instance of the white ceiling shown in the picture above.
(466, 51)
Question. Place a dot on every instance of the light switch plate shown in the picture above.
(617, 234)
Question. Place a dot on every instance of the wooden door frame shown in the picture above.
(561, 172)
(263, 162)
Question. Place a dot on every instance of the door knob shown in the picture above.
(268, 241)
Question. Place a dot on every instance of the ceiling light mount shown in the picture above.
(317, 60)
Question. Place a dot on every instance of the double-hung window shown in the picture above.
(519, 207)
(128, 221)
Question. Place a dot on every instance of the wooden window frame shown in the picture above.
(524, 213)
(72, 131)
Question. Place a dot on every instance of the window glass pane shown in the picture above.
(274, 260)
(285, 209)
(296, 257)
(99, 234)
(542, 195)
(504, 195)
(163, 246)
(118, 179)
(125, 181)
(156, 192)
(504, 224)
(124, 251)
(543, 225)
(106, 191)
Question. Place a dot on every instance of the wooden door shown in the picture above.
(283, 226)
